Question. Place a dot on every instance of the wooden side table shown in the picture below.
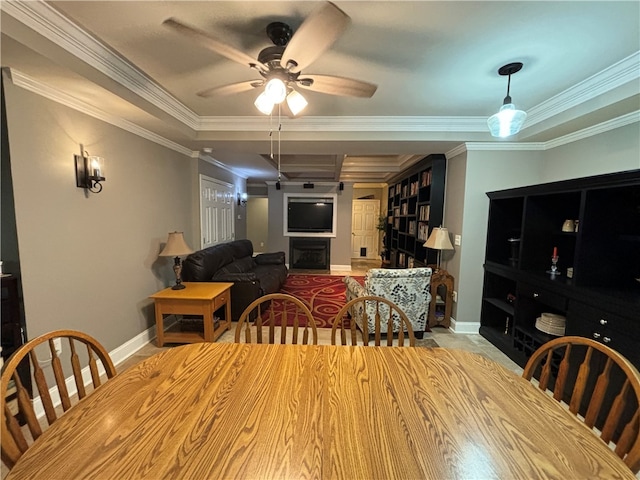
(441, 298)
(198, 298)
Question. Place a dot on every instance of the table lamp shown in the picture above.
(439, 240)
(175, 247)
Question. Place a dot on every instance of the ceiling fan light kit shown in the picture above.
(508, 121)
(281, 64)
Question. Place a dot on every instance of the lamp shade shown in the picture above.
(176, 246)
(508, 121)
(439, 239)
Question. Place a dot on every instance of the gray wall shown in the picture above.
(473, 173)
(258, 223)
(340, 244)
(90, 261)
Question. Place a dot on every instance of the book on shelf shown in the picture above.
(423, 231)
(405, 208)
(410, 262)
(412, 227)
(425, 211)
(425, 179)
(404, 190)
(414, 188)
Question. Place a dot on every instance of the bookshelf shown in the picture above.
(415, 205)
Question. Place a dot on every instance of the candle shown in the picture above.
(555, 252)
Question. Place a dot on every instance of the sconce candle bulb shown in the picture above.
(89, 171)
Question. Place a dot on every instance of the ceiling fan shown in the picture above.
(281, 65)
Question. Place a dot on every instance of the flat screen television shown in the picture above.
(310, 215)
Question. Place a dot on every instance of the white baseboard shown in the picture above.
(341, 268)
(464, 327)
(118, 356)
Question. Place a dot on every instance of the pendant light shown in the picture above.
(508, 121)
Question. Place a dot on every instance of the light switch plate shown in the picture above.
(457, 240)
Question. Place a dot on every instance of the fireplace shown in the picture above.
(309, 253)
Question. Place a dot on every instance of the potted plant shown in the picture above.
(382, 227)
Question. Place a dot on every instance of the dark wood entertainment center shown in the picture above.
(600, 297)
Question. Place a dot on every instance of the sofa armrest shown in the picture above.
(274, 258)
(236, 277)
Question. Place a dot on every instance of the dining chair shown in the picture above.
(600, 386)
(387, 317)
(19, 403)
(277, 311)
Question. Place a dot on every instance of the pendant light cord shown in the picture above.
(279, 130)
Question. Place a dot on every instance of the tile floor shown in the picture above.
(443, 337)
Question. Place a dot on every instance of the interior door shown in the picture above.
(216, 212)
(364, 234)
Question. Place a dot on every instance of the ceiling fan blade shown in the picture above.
(316, 34)
(347, 87)
(212, 43)
(231, 88)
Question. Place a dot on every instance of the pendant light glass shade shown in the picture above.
(508, 121)
(296, 102)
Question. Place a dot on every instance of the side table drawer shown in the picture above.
(221, 300)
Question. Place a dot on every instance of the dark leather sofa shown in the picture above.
(252, 277)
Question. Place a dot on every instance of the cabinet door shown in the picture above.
(615, 331)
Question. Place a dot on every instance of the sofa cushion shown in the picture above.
(241, 248)
(241, 265)
(274, 258)
(198, 266)
(271, 277)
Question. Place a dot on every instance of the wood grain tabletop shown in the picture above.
(216, 411)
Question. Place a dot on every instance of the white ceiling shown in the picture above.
(435, 64)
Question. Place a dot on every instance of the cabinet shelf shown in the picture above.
(525, 226)
(502, 305)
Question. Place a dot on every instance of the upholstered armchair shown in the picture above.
(408, 288)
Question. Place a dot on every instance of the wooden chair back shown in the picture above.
(293, 318)
(346, 325)
(52, 388)
(601, 388)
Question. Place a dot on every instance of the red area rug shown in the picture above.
(324, 294)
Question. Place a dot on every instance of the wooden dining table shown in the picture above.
(217, 411)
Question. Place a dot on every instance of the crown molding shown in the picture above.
(618, 74)
(624, 120)
(51, 24)
(346, 123)
(209, 159)
(612, 124)
(32, 85)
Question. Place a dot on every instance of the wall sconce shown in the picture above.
(242, 199)
(89, 171)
